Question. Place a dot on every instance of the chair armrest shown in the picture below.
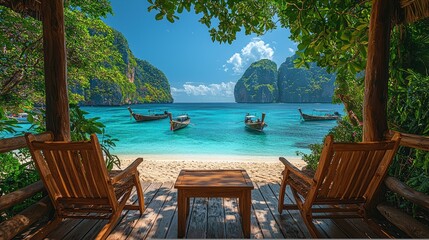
(289, 166)
(130, 170)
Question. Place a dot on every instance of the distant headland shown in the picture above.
(263, 83)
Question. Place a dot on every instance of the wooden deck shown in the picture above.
(211, 218)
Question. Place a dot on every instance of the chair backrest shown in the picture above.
(72, 170)
(352, 172)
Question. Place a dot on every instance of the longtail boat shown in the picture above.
(150, 117)
(254, 123)
(326, 115)
(20, 117)
(179, 122)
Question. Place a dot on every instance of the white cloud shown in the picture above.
(291, 50)
(221, 89)
(176, 90)
(255, 50)
(236, 61)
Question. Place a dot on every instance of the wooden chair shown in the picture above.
(344, 183)
(79, 185)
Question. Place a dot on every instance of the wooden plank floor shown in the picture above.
(211, 218)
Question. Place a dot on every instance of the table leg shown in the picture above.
(241, 204)
(245, 207)
(188, 206)
(181, 215)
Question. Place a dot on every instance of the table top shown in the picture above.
(213, 179)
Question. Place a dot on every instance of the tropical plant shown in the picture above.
(7, 124)
(343, 132)
(17, 171)
(81, 129)
(90, 54)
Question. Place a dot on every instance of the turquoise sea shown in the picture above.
(215, 129)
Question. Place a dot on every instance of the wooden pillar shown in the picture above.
(376, 82)
(377, 71)
(54, 48)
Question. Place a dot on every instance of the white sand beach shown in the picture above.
(164, 168)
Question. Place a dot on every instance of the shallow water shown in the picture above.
(216, 128)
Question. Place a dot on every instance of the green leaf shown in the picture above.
(159, 16)
(170, 18)
(345, 36)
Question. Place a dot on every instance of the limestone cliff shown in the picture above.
(258, 83)
(141, 82)
(304, 85)
(262, 83)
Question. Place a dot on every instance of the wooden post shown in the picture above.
(54, 48)
(377, 71)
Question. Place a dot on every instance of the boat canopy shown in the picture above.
(250, 116)
(323, 110)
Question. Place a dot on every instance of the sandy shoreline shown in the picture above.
(164, 168)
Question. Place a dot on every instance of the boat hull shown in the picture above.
(256, 126)
(175, 125)
(307, 117)
(143, 118)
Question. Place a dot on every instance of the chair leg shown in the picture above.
(104, 233)
(282, 194)
(308, 220)
(139, 193)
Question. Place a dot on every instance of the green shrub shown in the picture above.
(343, 132)
(312, 159)
(17, 171)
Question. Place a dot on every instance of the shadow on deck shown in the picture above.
(211, 218)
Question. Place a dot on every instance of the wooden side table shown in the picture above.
(213, 183)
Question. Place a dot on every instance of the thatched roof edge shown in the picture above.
(409, 10)
(30, 8)
(413, 10)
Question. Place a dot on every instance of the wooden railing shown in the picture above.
(13, 226)
(411, 140)
(400, 219)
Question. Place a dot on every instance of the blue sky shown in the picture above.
(198, 69)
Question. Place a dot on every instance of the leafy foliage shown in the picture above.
(17, 171)
(81, 129)
(343, 132)
(312, 159)
(21, 58)
(97, 56)
(229, 17)
(7, 124)
(407, 107)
